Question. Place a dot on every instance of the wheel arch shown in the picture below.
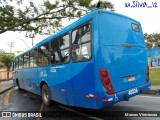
(41, 84)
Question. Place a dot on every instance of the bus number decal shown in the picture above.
(133, 91)
(53, 70)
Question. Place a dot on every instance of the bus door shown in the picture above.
(82, 64)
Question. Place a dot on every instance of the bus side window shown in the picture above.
(81, 43)
(60, 50)
(54, 51)
(13, 66)
(65, 54)
(20, 62)
(57, 59)
(64, 48)
(33, 58)
(16, 64)
(76, 36)
(43, 55)
(26, 60)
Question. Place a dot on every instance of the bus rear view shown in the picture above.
(121, 61)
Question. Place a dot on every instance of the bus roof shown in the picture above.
(68, 28)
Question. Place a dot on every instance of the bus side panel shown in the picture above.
(60, 83)
(83, 83)
(20, 78)
(31, 80)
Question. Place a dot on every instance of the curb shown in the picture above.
(152, 92)
(3, 91)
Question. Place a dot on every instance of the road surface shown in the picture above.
(22, 102)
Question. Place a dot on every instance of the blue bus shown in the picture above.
(95, 62)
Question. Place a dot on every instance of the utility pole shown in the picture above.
(10, 45)
(32, 41)
(32, 36)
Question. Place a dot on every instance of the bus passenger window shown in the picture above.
(54, 45)
(86, 33)
(21, 62)
(13, 67)
(26, 60)
(64, 49)
(86, 51)
(57, 59)
(65, 56)
(33, 58)
(76, 53)
(54, 51)
(81, 44)
(60, 50)
(76, 36)
(43, 55)
(64, 42)
(16, 64)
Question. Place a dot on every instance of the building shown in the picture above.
(17, 53)
(153, 57)
(9, 54)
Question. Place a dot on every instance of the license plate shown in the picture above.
(131, 78)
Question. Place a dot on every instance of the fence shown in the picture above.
(3, 75)
(154, 63)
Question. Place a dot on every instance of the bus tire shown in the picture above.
(46, 95)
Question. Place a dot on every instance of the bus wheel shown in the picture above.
(17, 81)
(46, 95)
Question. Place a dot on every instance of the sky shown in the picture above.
(148, 17)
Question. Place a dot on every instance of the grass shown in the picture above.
(155, 76)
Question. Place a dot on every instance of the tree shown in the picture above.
(43, 16)
(6, 60)
(152, 40)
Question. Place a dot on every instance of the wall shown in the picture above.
(3, 75)
(153, 57)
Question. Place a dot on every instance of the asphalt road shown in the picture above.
(22, 102)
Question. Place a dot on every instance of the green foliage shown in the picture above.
(42, 17)
(104, 5)
(155, 76)
(152, 40)
(6, 60)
